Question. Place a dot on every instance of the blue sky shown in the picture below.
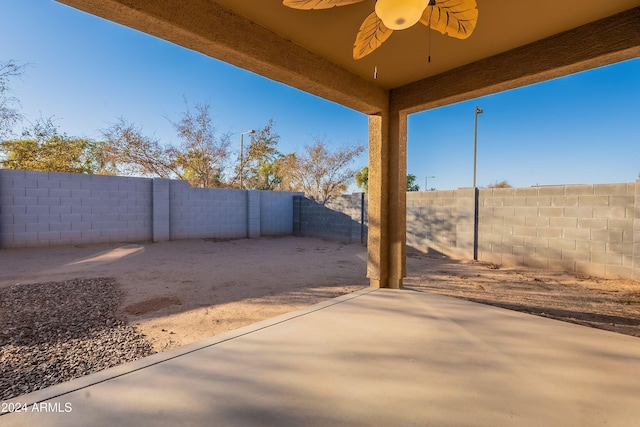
(87, 72)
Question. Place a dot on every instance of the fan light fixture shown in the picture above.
(400, 14)
(456, 18)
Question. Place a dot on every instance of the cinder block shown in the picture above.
(525, 231)
(550, 233)
(536, 222)
(20, 218)
(502, 192)
(562, 244)
(556, 190)
(578, 212)
(48, 218)
(564, 201)
(609, 189)
(576, 233)
(608, 236)
(610, 212)
(578, 190)
(491, 220)
(14, 209)
(511, 221)
(49, 201)
(563, 222)
(36, 227)
(551, 212)
(525, 192)
(592, 223)
(586, 247)
(58, 226)
(536, 242)
(516, 201)
(70, 185)
(37, 192)
(490, 238)
(37, 210)
(81, 194)
(606, 258)
(25, 201)
(593, 201)
(530, 212)
(59, 176)
(468, 192)
(620, 224)
(619, 248)
(25, 182)
(513, 241)
(15, 228)
(47, 183)
(14, 192)
(624, 201)
(538, 201)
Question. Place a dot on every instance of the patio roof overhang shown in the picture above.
(514, 44)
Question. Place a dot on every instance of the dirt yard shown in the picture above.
(179, 292)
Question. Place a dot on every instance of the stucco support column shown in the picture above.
(387, 200)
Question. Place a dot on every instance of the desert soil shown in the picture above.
(176, 293)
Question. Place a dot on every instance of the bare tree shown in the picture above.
(9, 114)
(319, 172)
(201, 157)
(501, 184)
(260, 156)
(133, 153)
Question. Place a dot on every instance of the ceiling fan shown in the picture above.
(456, 18)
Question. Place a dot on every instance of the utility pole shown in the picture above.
(476, 192)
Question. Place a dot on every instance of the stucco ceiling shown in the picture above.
(515, 43)
(502, 25)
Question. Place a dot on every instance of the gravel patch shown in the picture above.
(56, 331)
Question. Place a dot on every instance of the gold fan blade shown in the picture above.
(456, 18)
(371, 35)
(317, 4)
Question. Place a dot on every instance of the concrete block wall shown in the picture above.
(207, 212)
(276, 212)
(432, 220)
(636, 233)
(587, 229)
(46, 208)
(340, 218)
(50, 208)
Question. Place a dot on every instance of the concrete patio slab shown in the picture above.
(375, 357)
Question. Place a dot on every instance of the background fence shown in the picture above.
(47, 208)
(587, 229)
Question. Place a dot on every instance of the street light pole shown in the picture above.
(242, 156)
(475, 145)
(426, 181)
(476, 192)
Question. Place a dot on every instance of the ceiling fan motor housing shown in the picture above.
(400, 14)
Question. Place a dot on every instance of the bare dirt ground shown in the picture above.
(610, 304)
(180, 292)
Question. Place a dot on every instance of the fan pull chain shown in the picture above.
(375, 72)
(432, 3)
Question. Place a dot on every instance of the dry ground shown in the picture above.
(183, 291)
